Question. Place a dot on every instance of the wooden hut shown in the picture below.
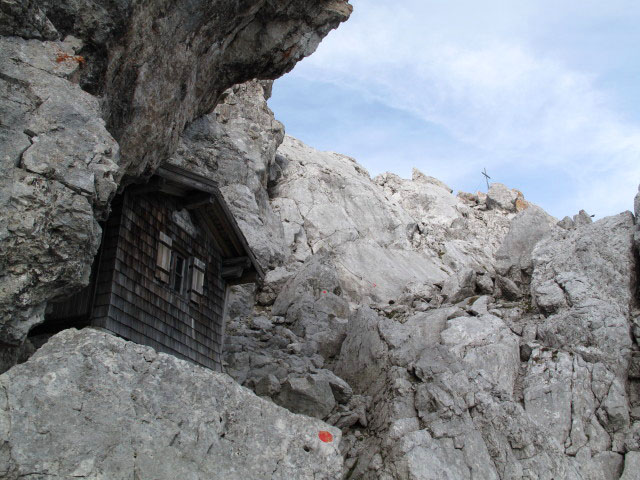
(170, 250)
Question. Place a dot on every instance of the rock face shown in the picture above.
(236, 146)
(206, 47)
(501, 350)
(95, 94)
(60, 169)
(93, 406)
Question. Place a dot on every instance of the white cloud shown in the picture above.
(488, 87)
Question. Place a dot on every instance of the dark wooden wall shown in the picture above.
(131, 302)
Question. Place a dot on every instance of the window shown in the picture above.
(163, 260)
(197, 279)
(177, 283)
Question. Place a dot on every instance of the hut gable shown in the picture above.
(170, 250)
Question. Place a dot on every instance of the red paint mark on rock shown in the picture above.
(324, 291)
(325, 436)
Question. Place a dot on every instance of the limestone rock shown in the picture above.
(24, 18)
(459, 231)
(484, 284)
(507, 288)
(566, 223)
(148, 100)
(363, 352)
(156, 67)
(332, 199)
(631, 466)
(486, 343)
(513, 258)
(459, 286)
(582, 218)
(91, 405)
(310, 395)
(502, 197)
(60, 170)
(427, 199)
(593, 265)
(236, 145)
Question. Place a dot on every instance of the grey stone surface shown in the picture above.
(631, 466)
(156, 67)
(486, 343)
(582, 218)
(236, 145)
(24, 18)
(206, 48)
(502, 197)
(513, 258)
(459, 286)
(310, 395)
(90, 405)
(594, 266)
(60, 171)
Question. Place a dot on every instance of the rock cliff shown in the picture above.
(468, 336)
(96, 94)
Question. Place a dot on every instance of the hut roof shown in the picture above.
(201, 196)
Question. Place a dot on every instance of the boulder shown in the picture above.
(582, 218)
(459, 286)
(90, 405)
(311, 395)
(513, 258)
(631, 466)
(484, 283)
(502, 197)
(486, 343)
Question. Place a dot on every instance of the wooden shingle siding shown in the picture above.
(133, 303)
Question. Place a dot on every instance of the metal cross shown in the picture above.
(487, 177)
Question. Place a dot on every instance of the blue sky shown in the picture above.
(545, 95)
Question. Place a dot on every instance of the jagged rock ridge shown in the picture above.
(501, 350)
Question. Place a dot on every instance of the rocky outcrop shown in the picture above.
(93, 406)
(60, 170)
(487, 370)
(461, 230)
(513, 259)
(206, 47)
(236, 145)
(97, 94)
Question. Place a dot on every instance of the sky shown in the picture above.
(543, 94)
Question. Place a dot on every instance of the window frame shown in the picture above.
(197, 274)
(164, 258)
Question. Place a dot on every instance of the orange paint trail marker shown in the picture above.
(325, 436)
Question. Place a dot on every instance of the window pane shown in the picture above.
(178, 274)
